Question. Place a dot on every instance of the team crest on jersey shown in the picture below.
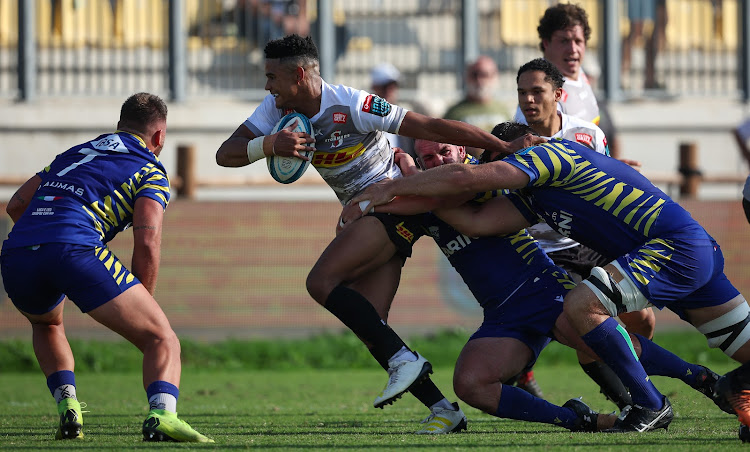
(339, 118)
(337, 138)
(584, 138)
(564, 96)
(376, 105)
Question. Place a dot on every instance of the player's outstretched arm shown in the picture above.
(494, 217)
(447, 180)
(22, 197)
(148, 216)
(416, 125)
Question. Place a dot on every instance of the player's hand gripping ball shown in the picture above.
(289, 169)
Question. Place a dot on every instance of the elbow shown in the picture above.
(14, 211)
(220, 158)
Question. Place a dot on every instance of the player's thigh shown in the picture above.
(134, 315)
(490, 360)
(379, 285)
(358, 249)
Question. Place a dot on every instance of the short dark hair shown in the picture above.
(560, 17)
(141, 110)
(293, 48)
(510, 130)
(551, 73)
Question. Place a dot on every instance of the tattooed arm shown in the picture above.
(22, 197)
(147, 223)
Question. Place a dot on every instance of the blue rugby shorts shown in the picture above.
(38, 278)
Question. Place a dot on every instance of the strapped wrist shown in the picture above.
(255, 149)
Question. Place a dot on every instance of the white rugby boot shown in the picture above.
(401, 375)
(442, 420)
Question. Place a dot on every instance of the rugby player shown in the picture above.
(64, 217)
(659, 255)
(357, 275)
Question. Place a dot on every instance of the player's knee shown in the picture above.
(464, 386)
(317, 288)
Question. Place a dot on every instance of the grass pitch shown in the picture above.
(332, 410)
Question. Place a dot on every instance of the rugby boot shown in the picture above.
(163, 425)
(705, 383)
(71, 419)
(737, 393)
(587, 418)
(640, 419)
(442, 420)
(401, 375)
(528, 383)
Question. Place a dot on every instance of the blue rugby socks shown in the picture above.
(612, 343)
(658, 361)
(515, 403)
(62, 385)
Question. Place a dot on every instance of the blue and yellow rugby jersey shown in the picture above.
(491, 267)
(88, 193)
(594, 199)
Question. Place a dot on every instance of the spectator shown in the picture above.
(386, 82)
(479, 107)
(648, 24)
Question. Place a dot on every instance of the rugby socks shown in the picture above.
(515, 403)
(358, 314)
(658, 361)
(427, 392)
(62, 385)
(162, 395)
(610, 384)
(612, 343)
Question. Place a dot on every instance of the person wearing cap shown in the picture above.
(385, 83)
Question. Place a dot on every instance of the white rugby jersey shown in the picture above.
(352, 150)
(578, 100)
(583, 132)
(589, 135)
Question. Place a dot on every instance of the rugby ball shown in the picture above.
(289, 169)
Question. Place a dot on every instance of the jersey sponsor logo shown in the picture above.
(337, 138)
(43, 211)
(455, 245)
(564, 96)
(110, 143)
(338, 158)
(405, 233)
(563, 219)
(339, 118)
(584, 138)
(376, 105)
(63, 186)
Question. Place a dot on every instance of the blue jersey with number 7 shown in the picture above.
(88, 193)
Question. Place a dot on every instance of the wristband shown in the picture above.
(363, 206)
(255, 149)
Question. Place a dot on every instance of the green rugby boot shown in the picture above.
(163, 425)
(71, 419)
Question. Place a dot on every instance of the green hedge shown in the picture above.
(320, 352)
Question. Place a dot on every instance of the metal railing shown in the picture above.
(208, 48)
